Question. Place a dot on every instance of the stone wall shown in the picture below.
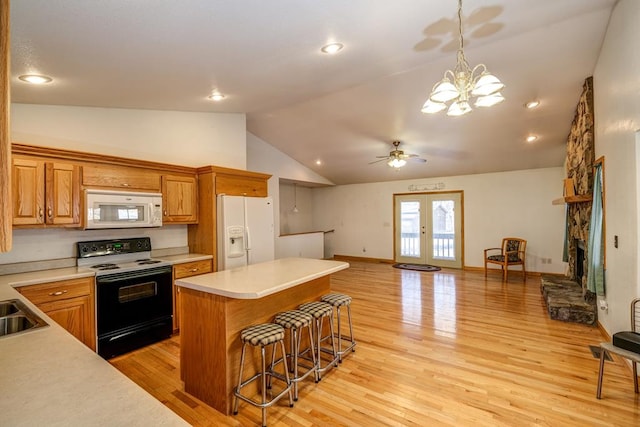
(579, 166)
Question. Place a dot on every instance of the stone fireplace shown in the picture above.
(568, 298)
(579, 167)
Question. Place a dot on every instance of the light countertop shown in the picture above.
(259, 280)
(50, 378)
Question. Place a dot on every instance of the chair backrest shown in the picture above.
(510, 244)
(635, 315)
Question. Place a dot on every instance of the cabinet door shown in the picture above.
(70, 303)
(28, 191)
(180, 271)
(241, 186)
(180, 199)
(120, 178)
(62, 193)
(74, 315)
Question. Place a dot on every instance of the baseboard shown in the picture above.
(363, 259)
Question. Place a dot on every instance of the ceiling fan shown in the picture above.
(397, 158)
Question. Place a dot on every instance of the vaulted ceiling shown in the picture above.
(343, 109)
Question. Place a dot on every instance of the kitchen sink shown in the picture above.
(16, 317)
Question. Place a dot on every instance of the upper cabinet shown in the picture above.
(45, 192)
(180, 199)
(234, 182)
(120, 178)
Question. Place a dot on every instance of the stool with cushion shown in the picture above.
(320, 311)
(337, 301)
(295, 321)
(263, 335)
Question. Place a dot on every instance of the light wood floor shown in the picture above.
(443, 348)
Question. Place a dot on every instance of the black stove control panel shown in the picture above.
(113, 247)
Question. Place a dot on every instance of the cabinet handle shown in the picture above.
(124, 184)
(58, 293)
(165, 212)
(40, 213)
(193, 270)
(50, 213)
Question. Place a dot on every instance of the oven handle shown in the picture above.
(133, 275)
(119, 336)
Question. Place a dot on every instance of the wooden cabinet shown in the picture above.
(180, 271)
(212, 181)
(233, 182)
(70, 303)
(180, 199)
(120, 178)
(45, 192)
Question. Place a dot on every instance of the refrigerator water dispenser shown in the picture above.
(235, 241)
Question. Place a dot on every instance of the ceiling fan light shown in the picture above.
(397, 163)
(487, 84)
(489, 100)
(444, 91)
(459, 108)
(432, 107)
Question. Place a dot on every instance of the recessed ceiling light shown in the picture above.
(332, 48)
(532, 104)
(216, 96)
(35, 79)
(531, 138)
(318, 162)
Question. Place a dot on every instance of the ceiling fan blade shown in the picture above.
(378, 161)
(418, 159)
(383, 157)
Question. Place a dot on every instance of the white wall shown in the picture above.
(262, 157)
(187, 139)
(617, 119)
(496, 205)
(295, 222)
(180, 138)
(309, 245)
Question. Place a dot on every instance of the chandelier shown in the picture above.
(463, 83)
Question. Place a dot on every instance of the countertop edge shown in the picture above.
(185, 283)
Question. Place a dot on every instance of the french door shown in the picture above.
(428, 229)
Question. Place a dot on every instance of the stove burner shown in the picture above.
(147, 261)
(108, 266)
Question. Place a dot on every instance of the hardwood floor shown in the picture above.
(443, 348)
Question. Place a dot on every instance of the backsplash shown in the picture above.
(57, 243)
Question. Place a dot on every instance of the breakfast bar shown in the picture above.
(215, 307)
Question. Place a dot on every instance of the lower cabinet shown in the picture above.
(180, 271)
(70, 303)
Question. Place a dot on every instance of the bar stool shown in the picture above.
(295, 320)
(321, 310)
(263, 335)
(341, 300)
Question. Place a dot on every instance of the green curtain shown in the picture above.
(565, 249)
(595, 248)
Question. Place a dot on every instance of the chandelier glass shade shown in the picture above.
(458, 86)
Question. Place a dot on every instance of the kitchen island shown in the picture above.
(215, 307)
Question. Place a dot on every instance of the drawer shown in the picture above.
(120, 178)
(54, 291)
(193, 268)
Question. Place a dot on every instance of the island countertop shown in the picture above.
(259, 280)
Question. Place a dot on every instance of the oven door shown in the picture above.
(133, 309)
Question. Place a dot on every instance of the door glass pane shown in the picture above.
(443, 232)
(410, 229)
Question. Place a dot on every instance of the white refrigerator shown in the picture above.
(245, 231)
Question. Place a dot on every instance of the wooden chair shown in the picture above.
(611, 347)
(512, 252)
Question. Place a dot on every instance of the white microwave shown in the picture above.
(119, 209)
